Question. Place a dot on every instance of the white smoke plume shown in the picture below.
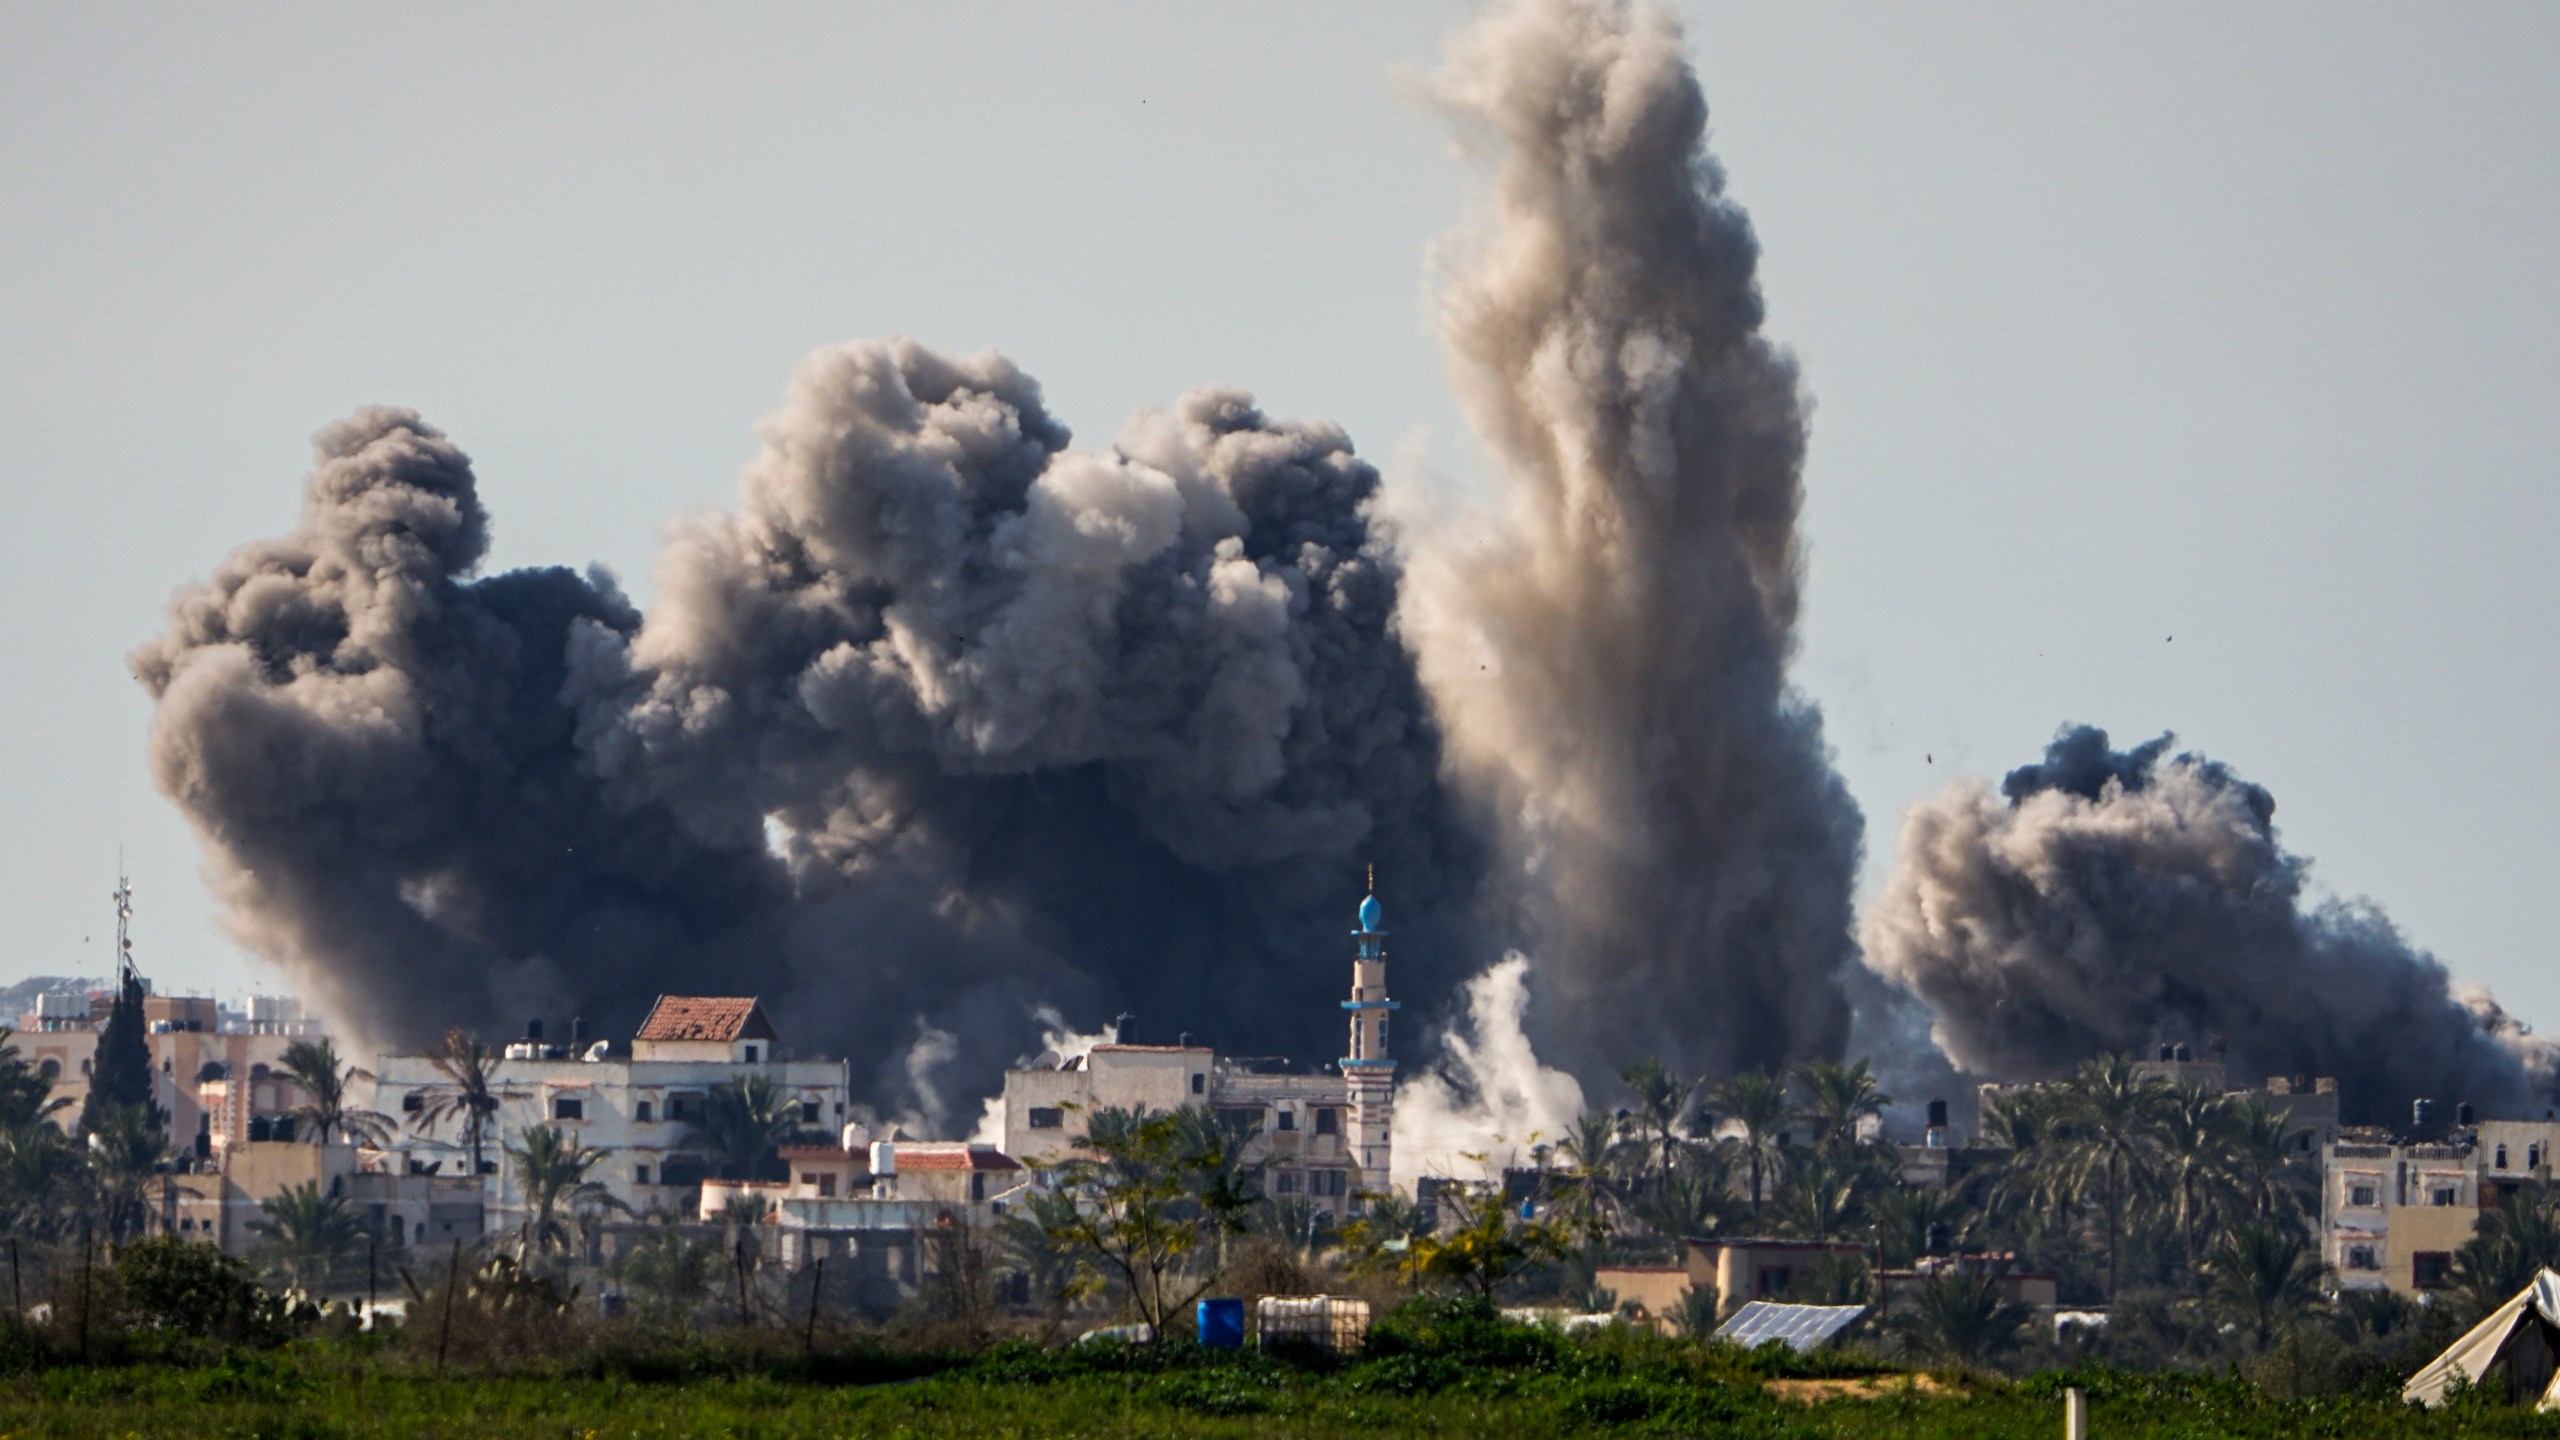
(2106, 901)
(1488, 1102)
(1608, 653)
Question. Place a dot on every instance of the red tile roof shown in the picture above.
(706, 1017)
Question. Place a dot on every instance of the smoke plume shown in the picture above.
(1489, 1101)
(1608, 653)
(2105, 901)
(949, 721)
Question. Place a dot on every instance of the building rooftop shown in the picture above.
(706, 1017)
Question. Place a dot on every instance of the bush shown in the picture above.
(196, 1290)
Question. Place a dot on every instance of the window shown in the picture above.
(2361, 1257)
(2501, 1162)
(1774, 1280)
(1288, 1120)
(1290, 1182)
(2364, 1194)
(1328, 1121)
(808, 1112)
(751, 1054)
(488, 1167)
(568, 1107)
(412, 1103)
(49, 1069)
(977, 1185)
(643, 1112)
(826, 1183)
(1328, 1182)
(681, 1170)
(1046, 1118)
(684, 1106)
(639, 1174)
(1199, 1083)
(2427, 1268)
(2440, 1195)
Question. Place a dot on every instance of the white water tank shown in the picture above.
(884, 1157)
(855, 1137)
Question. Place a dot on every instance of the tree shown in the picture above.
(1586, 1188)
(125, 1150)
(2107, 1137)
(469, 1093)
(1755, 1101)
(1962, 1319)
(1910, 1221)
(1837, 1098)
(551, 1172)
(744, 1125)
(1822, 1195)
(2195, 1160)
(2509, 1245)
(309, 1237)
(671, 1270)
(1661, 1110)
(2262, 1277)
(1146, 1211)
(120, 1068)
(169, 1283)
(26, 1096)
(1054, 1271)
(1486, 1250)
(313, 1067)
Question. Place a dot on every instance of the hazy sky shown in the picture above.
(2234, 324)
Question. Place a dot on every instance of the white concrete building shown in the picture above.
(2392, 1213)
(638, 1105)
(1322, 1135)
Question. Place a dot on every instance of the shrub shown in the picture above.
(173, 1284)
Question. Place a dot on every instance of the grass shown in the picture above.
(1447, 1374)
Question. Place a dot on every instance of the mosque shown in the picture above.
(1323, 1134)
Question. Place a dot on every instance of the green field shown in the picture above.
(1479, 1381)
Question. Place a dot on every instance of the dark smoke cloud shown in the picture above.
(1610, 656)
(1107, 730)
(951, 720)
(2109, 900)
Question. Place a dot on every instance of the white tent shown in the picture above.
(2517, 1350)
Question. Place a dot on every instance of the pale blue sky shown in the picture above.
(2237, 324)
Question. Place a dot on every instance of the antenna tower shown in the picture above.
(124, 926)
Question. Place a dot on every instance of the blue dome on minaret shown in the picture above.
(1373, 916)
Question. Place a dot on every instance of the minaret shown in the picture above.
(1372, 1075)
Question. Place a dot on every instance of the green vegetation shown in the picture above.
(1433, 1367)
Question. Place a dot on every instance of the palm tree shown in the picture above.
(1756, 1101)
(2107, 1139)
(670, 1268)
(1837, 1097)
(1962, 1319)
(126, 1147)
(39, 1175)
(1696, 1198)
(2511, 1244)
(312, 1065)
(1587, 1189)
(744, 1125)
(1820, 1197)
(1910, 1221)
(308, 1235)
(1662, 1105)
(2264, 1277)
(2196, 1125)
(2268, 1175)
(551, 1171)
(470, 1091)
(26, 1096)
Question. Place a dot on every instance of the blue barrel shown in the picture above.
(1222, 1324)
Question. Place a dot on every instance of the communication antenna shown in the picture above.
(124, 923)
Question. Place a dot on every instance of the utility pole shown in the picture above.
(452, 1277)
